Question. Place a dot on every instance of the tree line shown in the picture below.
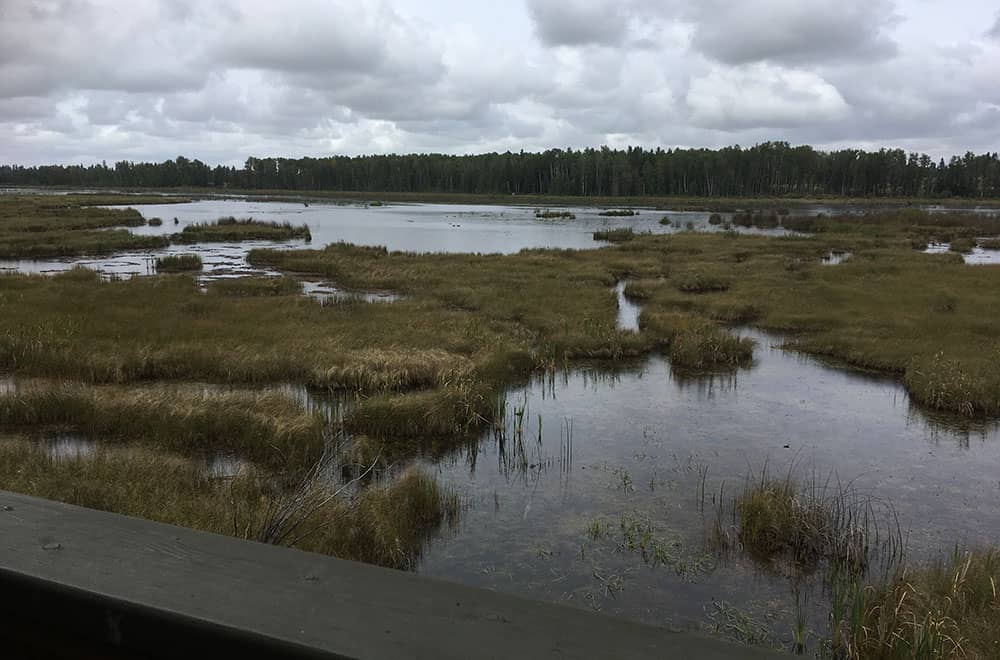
(769, 169)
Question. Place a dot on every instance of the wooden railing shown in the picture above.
(78, 583)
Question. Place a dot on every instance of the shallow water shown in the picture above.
(409, 227)
(628, 311)
(978, 256)
(640, 442)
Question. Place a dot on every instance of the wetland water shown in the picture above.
(410, 227)
(643, 440)
(638, 446)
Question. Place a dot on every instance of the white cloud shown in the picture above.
(763, 95)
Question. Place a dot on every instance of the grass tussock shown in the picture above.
(450, 414)
(238, 287)
(619, 213)
(962, 245)
(555, 215)
(267, 428)
(943, 382)
(176, 263)
(241, 229)
(943, 611)
(794, 527)
(390, 524)
(990, 243)
(701, 281)
(387, 524)
(615, 235)
(45, 226)
(695, 344)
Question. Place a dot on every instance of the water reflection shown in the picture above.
(628, 311)
(646, 440)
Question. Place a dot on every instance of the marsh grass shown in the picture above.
(795, 527)
(948, 609)
(615, 235)
(990, 243)
(176, 263)
(238, 287)
(702, 280)
(619, 213)
(458, 412)
(962, 245)
(39, 226)
(241, 229)
(694, 343)
(266, 428)
(552, 215)
(387, 524)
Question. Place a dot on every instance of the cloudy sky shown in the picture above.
(91, 80)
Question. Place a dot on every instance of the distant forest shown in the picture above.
(770, 169)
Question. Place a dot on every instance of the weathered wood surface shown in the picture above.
(94, 584)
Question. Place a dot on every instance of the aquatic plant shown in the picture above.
(245, 229)
(174, 263)
(615, 235)
(948, 609)
(550, 215)
(962, 245)
(791, 525)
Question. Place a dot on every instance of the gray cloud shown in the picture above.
(793, 31)
(84, 80)
(579, 22)
(995, 30)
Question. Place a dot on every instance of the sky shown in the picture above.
(85, 81)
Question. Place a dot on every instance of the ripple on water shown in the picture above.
(662, 446)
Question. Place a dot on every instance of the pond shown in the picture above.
(411, 227)
(650, 448)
